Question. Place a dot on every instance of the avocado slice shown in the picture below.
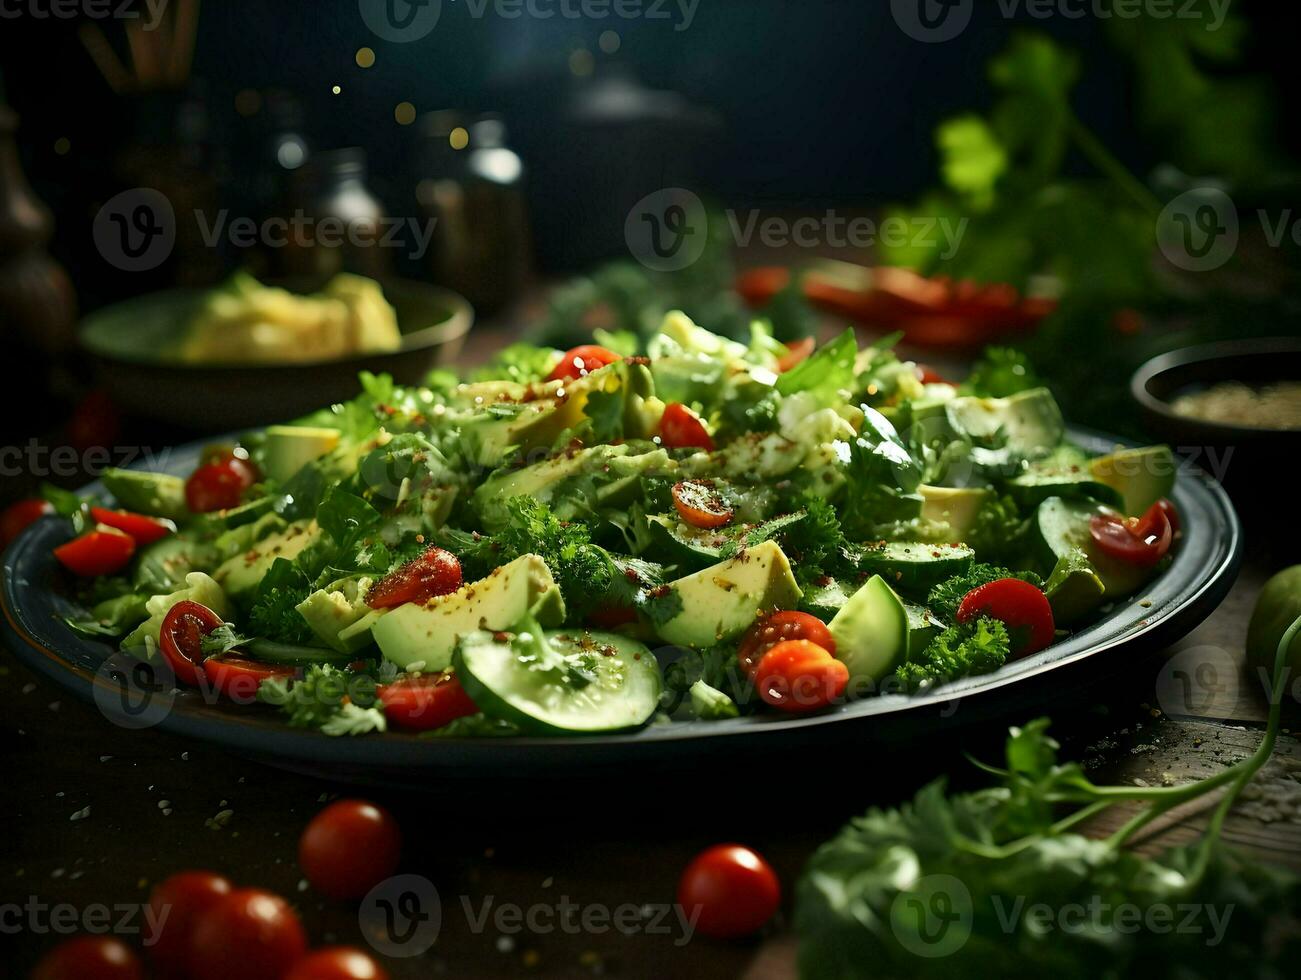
(198, 588)
(1028, 422)
(157, 494)
(723, 600)
(291, 447)
(331, 610)
(1141, 477)
(241, 574)
(427, 634)
(955, 506)
(1074, 589)
(871, 632)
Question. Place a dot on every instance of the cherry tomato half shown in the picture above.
(181, 638)
(681, 428)
(349, 848)
(337, 963)
(175, 907)
(219, 484)
(796, 352)
(436, 572)
(422, 703)
(145, 530)
(700, 504)
(1171, 514)
(1019, 606)
(796, 675)
(1141, 541)
(90, 958)
(17, 516)
(730, 889)
(582, 360)
(250, 934)
(238, 678)
(103, 551)
(785, 625)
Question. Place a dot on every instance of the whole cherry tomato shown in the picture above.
(700, 504)
(681, 428)
(582, 360)
(1019, 606)
(143, 529)
(785, 625)
(103, 551)
(349, 848)
(175, 907)
(796, 675)
(219, 484)
(181, 639)
(248, 934)
(436, 572)
(18, 515)
(425, 702)
(1141, 541)
(337, 963)
(731, 890)
(90, 958)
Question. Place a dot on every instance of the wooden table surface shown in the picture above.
(93, 814)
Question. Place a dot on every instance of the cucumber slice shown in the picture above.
(678, 543)
(1062, 527)
(565, 683)
(1034, 487)
(922, 626)
(916, 568)
(871, 632)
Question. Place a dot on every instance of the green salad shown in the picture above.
(595, 540)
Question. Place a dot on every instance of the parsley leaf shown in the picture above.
(964, 648)
(944, 599)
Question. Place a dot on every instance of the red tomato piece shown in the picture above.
(219, 484)
(249, 934)
(612, 617)
(582, 360)
(103, 551)
(1171, 514)
(19, 515)
(796, 352)
(928, 376)
(349, 848)
(181, 639)
(700, 504)
(425, 702)
(681, 428)
(176, 906)
(337, 963)
(144, 529)
(436, 572)
(1019, 606)
(1141, 541)
(780, 626)
(90, 958)
(237, 677)
(796, 675)
(730, 889)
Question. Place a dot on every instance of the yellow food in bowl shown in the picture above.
(246, 322)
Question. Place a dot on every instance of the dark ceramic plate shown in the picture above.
(1198, 579)
(128, 342)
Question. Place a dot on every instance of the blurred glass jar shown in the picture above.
(471, 186)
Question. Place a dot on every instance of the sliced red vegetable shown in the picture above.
(681, 428)
(176, 905)
(1019, 606)
(796, 352)
(700, 504)
(219, 484)
(102, 551)
(181, 639)
(730, 890)
(18, 516)
(780, 626)
(1141, 541)
(928, 376)
(249, 934)
(349, 848)
(796, 675)
(436, 572)
(1171, 513)
(582, 360)
(424, 702)
(144, 529)
(237, 677)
